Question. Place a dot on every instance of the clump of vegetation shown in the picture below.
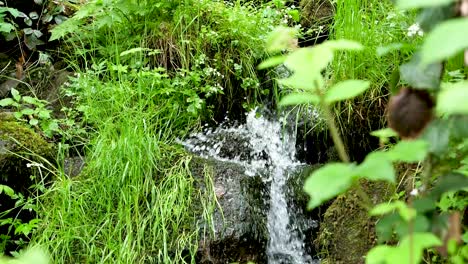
(422, 221)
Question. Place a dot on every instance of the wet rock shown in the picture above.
(239, 219)
(316, 17)
(72, 166)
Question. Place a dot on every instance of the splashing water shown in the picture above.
(263, 148)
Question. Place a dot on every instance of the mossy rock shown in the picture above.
(316, 12)
(18, 143)
(347, 232)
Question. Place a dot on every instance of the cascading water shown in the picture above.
(263, 148)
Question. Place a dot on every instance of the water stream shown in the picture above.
(263, 148)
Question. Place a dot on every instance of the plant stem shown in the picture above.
(334, 132)
(367, 203)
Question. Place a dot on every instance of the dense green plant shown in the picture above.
(442, 147)
(30, 21)
(33, 111)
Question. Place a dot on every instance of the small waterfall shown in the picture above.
(263, 148)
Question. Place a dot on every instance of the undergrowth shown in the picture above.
(147, 72)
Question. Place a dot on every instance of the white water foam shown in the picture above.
(263, 148)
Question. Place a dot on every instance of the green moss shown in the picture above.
(21, 138)
(18, 142)
(347, 232)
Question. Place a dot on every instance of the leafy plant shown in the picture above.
(436, 147)
(32, 111)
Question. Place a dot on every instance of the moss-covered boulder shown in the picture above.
(19, 145)
(347, 232)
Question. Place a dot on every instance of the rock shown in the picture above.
(240, 232)
(20, 149)
(316, 18)
(240, 217)
(347, 232)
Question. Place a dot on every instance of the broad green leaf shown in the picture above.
(445, 40)
(423, 205)
(385, 225)
(309, 60)
(44, 114)
(384, 133)
(271, 62)
(421, 76)
(346, 90)
(280, 39)
(405, 212)
(409, 151)
(29, 100)
(7, 190)
(328, 182)
(16, 95)
(6, 27)
(343, 44)
(33, 122)
(377, 166)
(437, 134)
(447, 183)
(299, 98)
(6, 102)
(419, 241)
(14, 12)
(453, 99)
(379, 254)
(459, 127)
(409, 4)
(419, 224)
(403, 253)
(302, 81)
(27, 111)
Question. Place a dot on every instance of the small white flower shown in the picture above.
(415, 29)
(414, 192)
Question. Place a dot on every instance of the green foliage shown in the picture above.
(32, 111)
(411, 222)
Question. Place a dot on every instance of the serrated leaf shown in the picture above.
(44, 114)
(328, 182)
(16, 95)
(409, 151)
(402, 208)
(410, 4)
(445, 40)
(453, 99)
(6, 102)
(421, 76)
(271, 62)
(299, 98)
(27, 111)
(7, 190)
(346, 90)
(33, 122)
(14, 12)
(29, 100)
(379, 254)
(377, 166)
(6, 27)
